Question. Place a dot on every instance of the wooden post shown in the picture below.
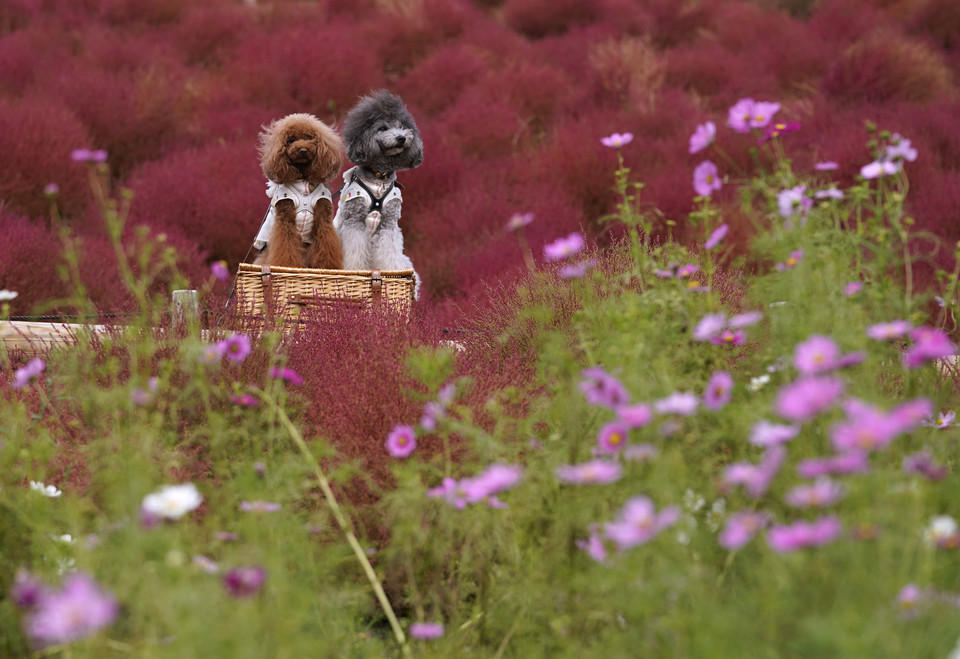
(186, 306)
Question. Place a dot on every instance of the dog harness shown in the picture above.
(304, 195)
(376, 195)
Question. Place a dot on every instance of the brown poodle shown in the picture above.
(299, 154)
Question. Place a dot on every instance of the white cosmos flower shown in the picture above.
(173, 501)
(6, 295)
(45, 490)
(942, 527)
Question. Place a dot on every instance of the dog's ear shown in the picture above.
(329, 155)
(273, 158)
(416, 151)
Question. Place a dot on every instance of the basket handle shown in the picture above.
(376, 284)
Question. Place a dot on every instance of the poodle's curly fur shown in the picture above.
(382, 138)
(299, 153)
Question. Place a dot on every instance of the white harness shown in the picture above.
(353, 189)
(304, 195)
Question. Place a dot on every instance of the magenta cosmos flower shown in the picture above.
(706, 179)
(88, 155)
(236, 348)
(719, 390)
(639, 522)
(617, 140)
(928, 344)
(807, 397)
(819, 354)
(286, 374)
(716, 236)
(519, 220)
(603, 389)
(820, 494)
(922, 463)
(889, 331)
(765, 433)
(401, 441)
(779, 128)
(486, 485)
(852, 462)
(756, 478)
(219, 270)
(703, 136)
(866, 428)
(563, 248)
(634, 416)
(787, 538)
(28, 373)
(795, 257)
(245, 581)
(80, 608)
(612, 437)
(427, 631)
(594, 472)
(741, 527)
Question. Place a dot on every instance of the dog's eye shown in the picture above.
(291, 140)
(380, 129)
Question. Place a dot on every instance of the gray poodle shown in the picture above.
(381, 139)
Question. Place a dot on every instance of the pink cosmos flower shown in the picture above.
(779, 128)
(612, 437)
(703, 136)
(852, 462)
(878, 169)
(594, 545)
(617, 140)
(828, 193)
(638, 523)
(889, 331)
(634, 416)
(259, 506)
(756, 478)
(816, 354)
(27, 590)
(807, 397)
(244, 582)
(51, 190)
(741, 527)
(709, 326)
(640, 452)
(427, 631)
(594, 472)
(719, 390)
(907, 416)
(706, 179)
(745, 319)
(928, 344)
(852, 288)
(826, 166)
(922, 463)
(576, 270)
(822, 493)
(87, 155)
(401, 441)
(681, 403)
(236, 348)
(245, 400)
(762, 113)
(944, 420)
(787, 538)
(80, 608)
(900, 149)
(286, 374)
(601, 388)
(563, 248)
(519, 220)
(495, 479)
(795, 257)
(219, 270)
(729, 338)
(716, 236)
(28, 373)
(740, 115)
(765, 433)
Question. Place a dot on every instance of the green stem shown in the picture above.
(344, 525)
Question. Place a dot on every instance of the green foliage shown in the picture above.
(510, 577)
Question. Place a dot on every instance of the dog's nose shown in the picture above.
(303, 151)
(401, 139)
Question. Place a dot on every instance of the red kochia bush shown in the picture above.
(36, 138)
(29, 254)
(887, 67)
(216, 195)
(440, 78)
(206, 34)
(539, 18)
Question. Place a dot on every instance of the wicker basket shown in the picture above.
(283, 292)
